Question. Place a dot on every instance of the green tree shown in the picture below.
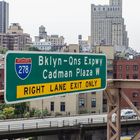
(2, 106)
(33, 49)
(8, 112)
(37, 113)
(45, 112)
(26, 114)
(3, 50)
(32, 112)
(21, 109)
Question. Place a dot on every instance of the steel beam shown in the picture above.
(114, 93)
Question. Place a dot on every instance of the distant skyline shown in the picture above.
(69, 17)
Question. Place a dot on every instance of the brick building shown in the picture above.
(1, 78)
(128, 69)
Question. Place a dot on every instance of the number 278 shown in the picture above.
(23, 69)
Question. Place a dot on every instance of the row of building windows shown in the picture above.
(135, 67)
(109, 9)
(82, 102)
(62, 106)
(120, 76)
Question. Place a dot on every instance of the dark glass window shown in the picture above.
(81, 102)
(135, 67)
(135, 94)
(135, 76)
(52, 106)
(62, 106)
(93, 102)
(135, 104)
(127, 76)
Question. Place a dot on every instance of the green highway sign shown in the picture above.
(35, 75)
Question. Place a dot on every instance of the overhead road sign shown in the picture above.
(34, 75)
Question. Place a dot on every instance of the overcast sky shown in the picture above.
(69, 17)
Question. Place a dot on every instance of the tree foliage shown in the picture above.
(8, 112)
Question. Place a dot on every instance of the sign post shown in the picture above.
(34, 75)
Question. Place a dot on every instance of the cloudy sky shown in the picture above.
(69, 17)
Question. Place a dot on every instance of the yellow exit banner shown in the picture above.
(24, 91)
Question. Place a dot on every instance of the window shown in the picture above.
(120, 76)
(52, 106)
(127, 76)
(135, 67)
(104, 101)
(81, 102)
(114, 75)
(62, 106)
(93, 102)
(120, 67)
(135, 104)
(135, 94)
(135, 76)
(127, 67)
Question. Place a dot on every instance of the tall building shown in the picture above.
(42, 32)
(57, 42)
(15, 39)
(107, 25)
(4, 16)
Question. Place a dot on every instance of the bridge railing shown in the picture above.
(42, 123)
(54, 123)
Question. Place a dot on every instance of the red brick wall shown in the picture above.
(131, 72)
(1, 84)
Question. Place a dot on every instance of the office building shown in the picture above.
(57, 42)
(42, 45)
(84, 45)
(4, 16)
(15, 39)
(107, 25)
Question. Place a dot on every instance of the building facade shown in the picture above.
(1, 78)
(71, 104)
(128, 69)
(57, 42)
(107, 25)
(15, 39)
(42, 45)
(4, 16)
(84, 45)
(109, 51)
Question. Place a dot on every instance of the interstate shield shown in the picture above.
(23, 67)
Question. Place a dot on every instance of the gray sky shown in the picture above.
(69, 17)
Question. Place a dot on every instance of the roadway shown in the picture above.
(56, 125)
(10, 125)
